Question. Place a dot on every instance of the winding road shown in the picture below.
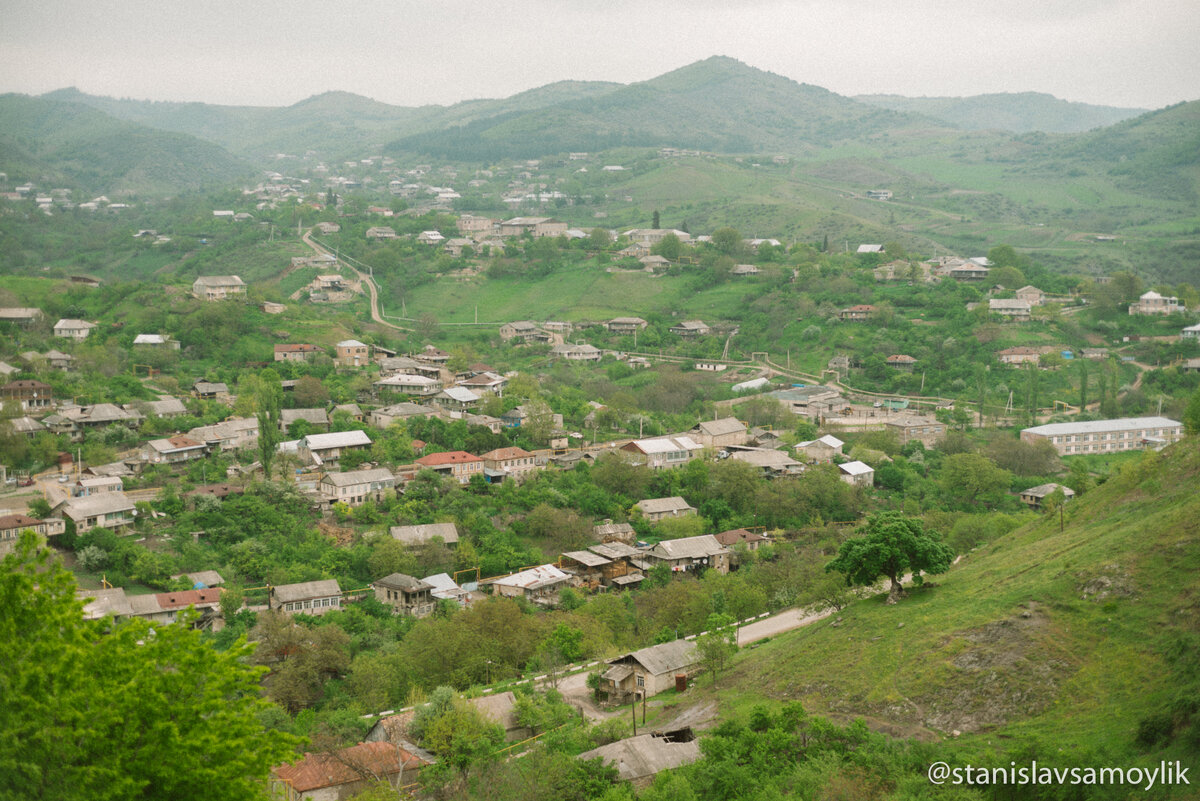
(363, 278)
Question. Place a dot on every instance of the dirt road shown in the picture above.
(363, 278)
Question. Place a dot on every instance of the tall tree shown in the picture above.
(97, 710)
(656, 221)
(892, 545)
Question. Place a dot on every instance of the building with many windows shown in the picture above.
(1106, 436)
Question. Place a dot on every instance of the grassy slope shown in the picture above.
(1007, 645)
(577, 293)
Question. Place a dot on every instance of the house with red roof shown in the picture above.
(458, 465)
(346, 772)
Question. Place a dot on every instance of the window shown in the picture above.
(641, 680)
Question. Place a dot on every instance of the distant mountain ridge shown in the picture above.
(72, 144)
(1021, 112)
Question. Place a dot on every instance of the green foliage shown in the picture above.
(892, 545)
(99, 711)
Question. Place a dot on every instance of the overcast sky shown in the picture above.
(1137, 53)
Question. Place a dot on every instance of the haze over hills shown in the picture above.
(1019, 112)
(53, 142)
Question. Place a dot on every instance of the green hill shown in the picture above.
(59, 143)
(1084, 638)
(717, 105)
(1019, 112)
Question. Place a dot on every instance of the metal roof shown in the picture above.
(1099, 426)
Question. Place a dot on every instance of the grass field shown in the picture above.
(1040, 637)
(575, 293)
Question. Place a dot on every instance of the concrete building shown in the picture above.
(1104, 436)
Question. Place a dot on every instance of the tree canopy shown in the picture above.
(96, 710)
(892, 545)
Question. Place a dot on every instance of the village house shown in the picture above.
(608, 531)
(32, 396)
(640, 758)
(649, 237)
(382, 418)
(458, 399)
(307, 597)
(1035, 496)
(771, 462)
(20, 316)
(740, 536)
(156, 341)
(534, 226)
(315, 418)
(295, 353)
(432, 355)
(346, 772)
(12, 525)
(327, 449)
(691, 328)
(540, 585)
(1019, 355)
(515, 463)
(405, 365)
(328, 227)
(1031, 295)
(1098, 436)
(586, 566)
(173, 450)
(381, 232)
(356, 487)
(577, 353)
(75, 421)
(165, 607)
(655, 509)
(413, 536)
(405, 595)
(430, 237)
(902, 362)
(95, 485)
(217, 287)
(1098, 354)
(409, 384)
(351, 353)
(859, 313)
(691, 554)
(720, 433)
(523, 331)
(235, 433)
(923, 429)
(857, 474)
(626, 564)
(810, 401)
(661, 453)
(486, 383)
(1191, 332)
(1153, 303)
(820, 451)
(212, 391)
(77, 330)
(455, 246)
(458, 465)
(269, 307)
(471, 224)
(106, 510)
(740, 270)
(649, 671)
(626, 325)
(968, 272)
(1012, 308)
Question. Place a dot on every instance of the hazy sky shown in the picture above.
(1140, 53)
